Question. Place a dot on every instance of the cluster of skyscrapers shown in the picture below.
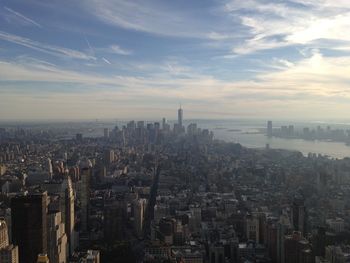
(151, 192)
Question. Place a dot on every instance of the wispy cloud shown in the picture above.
(294, 88)
(161, 18)
(316, 75)
(188, 36)
(22, 18)
(297, 22)
(118, 50)
(46, 48)
(258, 24)
(107, 61)
(92, 51)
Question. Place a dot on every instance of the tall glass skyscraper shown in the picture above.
(180, 116)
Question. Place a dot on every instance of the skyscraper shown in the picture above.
(114, 221)
(57, 238)
(65, 192)
(84, 191)
(106, 133)
(283, 227)
(68, 214)
(299, 215)
(139, 207)
(108, 157)
(252, 228)
(29, 225)
(4, 237)
(8, 253)
(180, 117)
(164, 122)
(296, 249)
(49, 168)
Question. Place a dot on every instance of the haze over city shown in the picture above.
(179, 131)
(220, 59)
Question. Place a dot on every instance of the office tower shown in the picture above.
(297, 249)
(271, 240)
(140, 131)
(49, 167)
(156, 126)
(192, 129)
(319, 242)
(57, 238)
(150, 132)
(164, 122)
(65, 192)
(4, 237)
(139, 207)
(29, 225)
(84, 192)
(167, 229)
(114, 221)
(269, 128)
(165, 125)
(262, 226)
(131, 125)
(108, 157)
(217, 253)
(106, 133)
(252, 228)
(43, 258)
(283, 227)
(180, 117)
(291, 253)
(68, 213)
(156, 131)
(8, 253)
(196, 212)
(141, 124)
(299, 215)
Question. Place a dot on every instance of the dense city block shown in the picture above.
(151, 192)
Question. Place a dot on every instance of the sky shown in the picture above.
(123, 59)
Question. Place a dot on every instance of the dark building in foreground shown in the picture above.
(299, 215)
(29, 225)
(114, 221)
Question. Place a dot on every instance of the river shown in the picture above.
(246, 132)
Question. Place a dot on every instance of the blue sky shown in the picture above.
(139, 59)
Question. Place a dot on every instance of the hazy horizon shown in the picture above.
(252, 163)
(335, 121)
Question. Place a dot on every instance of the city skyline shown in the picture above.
(152, 193)
(127, 59)
(186, 131)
